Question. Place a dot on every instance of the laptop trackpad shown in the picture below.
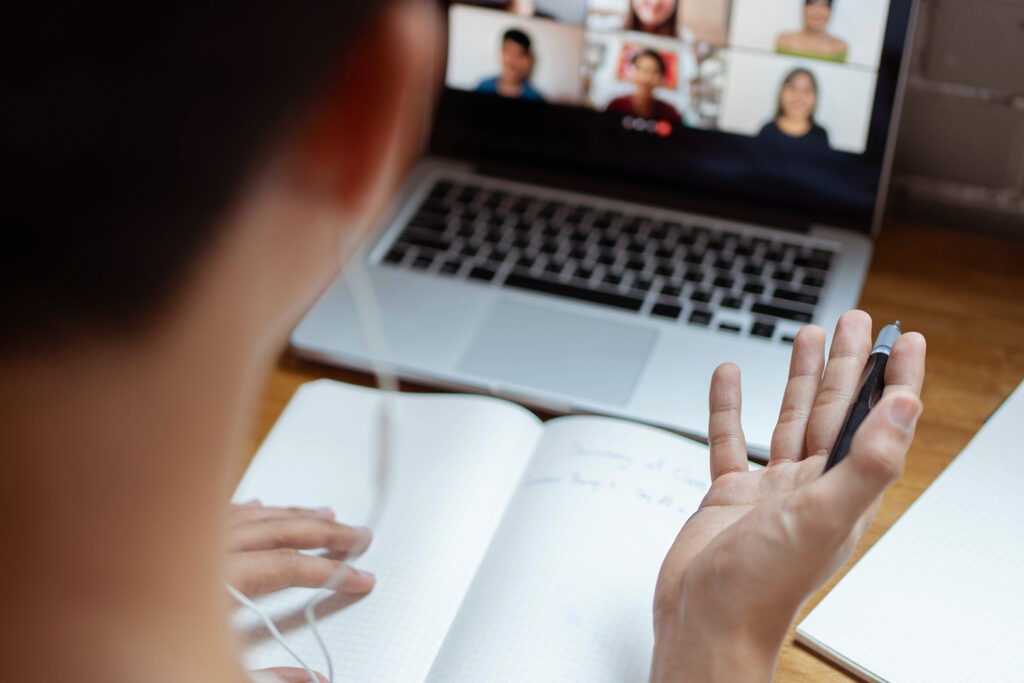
(576, 355)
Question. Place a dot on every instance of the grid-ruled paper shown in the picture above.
(941, 596)
(566, 589)
(456, 462)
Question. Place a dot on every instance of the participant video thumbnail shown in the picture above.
(690, 20)
(842, 31)
(812, 103)
(499, 53)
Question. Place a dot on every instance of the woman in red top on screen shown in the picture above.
(648, 73)
(654, 16)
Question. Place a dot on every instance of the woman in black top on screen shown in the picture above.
(794, 124)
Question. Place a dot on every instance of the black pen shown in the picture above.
(872, 382)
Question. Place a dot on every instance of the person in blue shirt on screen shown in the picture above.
(517, 60)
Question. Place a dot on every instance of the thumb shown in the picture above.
(876, 456)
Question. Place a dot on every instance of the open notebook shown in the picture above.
(507, 550)
(940, 597)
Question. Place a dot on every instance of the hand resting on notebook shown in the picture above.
(264, 546)
(764, 541)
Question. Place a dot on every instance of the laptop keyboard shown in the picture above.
(670, 270)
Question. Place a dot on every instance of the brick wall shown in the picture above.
(960, 152)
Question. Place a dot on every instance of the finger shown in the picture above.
(851, 346)
(904, 371)
(284, 675)
(266, 571)
(725, 434)
(252, 513)
(805, 368)
(875, 461)
(299, 532)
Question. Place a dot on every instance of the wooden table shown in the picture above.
(963, 292)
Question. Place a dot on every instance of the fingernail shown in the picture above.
(325, 512)
(364, 574)
(254, 503)
(361, 541)
(904, 413)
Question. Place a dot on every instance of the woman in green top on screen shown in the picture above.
(813, 41)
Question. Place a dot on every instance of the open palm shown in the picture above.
(763, 541)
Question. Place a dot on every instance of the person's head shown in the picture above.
(191, 156)
(649, 71)
(798, 97)
(816, 14)
(654, 16)
(516, 56)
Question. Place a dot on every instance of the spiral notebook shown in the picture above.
(941, 596)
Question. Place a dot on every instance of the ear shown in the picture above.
(374, 116)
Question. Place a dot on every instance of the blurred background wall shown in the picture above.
(960, 154)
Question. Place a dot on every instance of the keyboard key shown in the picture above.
(753, 269)
(723, 263)
(774, 254)
(754, 288)
(671, 291)
(469, 250)
(395, 255)
(695, 276)
(702, 318)
(554, 267)
(624, 301)
(783, 275)
(423, 261)
(607, 259)
(427, 240)
(724, 282)
(787, 339)
(811, 262)
(482, 273)
(729, 327)
(814, 281)
(733, 302)
(636, 264)
(694, 257)
(701, 296)
(665, 271)
(642, 283)
(799, 297)
(451, 267)
(584, 272)
(745, 249)
(613, 279)
(526, 261)
(781, 312)
(667, 311)
(765, 330)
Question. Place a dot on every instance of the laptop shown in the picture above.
(619, 196)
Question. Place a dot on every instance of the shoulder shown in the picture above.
(788, 41)
(531, 93)
(770, 129)
(664, 110)
(488, 85)
(619, 104)
(818, 134)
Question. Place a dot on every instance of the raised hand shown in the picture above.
(763, 541)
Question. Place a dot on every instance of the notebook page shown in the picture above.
(456, 461)
(940, 596)
(565, 592)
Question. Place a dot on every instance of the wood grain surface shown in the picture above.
(965, 293)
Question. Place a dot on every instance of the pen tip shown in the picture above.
(897, 324)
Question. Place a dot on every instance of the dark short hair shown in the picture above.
(127, 129)
(648, 52)
(812, 2)
(790, 77)
(518, 37)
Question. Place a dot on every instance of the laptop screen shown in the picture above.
(782, 104)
